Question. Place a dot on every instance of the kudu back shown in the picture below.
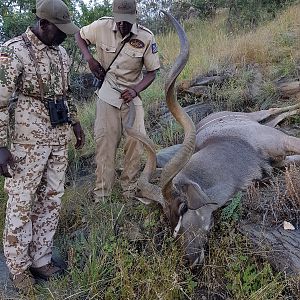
(223, 156)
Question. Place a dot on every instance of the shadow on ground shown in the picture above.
(7, 292)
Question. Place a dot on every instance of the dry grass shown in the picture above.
(116, 250)
(105, 262)
(292, 179)
(114, 267)
(213, 48)
(275, 201)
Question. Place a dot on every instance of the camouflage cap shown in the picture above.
(57, 13)
(124, 10)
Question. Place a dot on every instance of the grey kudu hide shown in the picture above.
(223, 156)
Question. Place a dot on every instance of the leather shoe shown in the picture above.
(46, 272)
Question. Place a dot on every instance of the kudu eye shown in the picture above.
(182, 209)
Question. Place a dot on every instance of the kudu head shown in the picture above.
(178, 202)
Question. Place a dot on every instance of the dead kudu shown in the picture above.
(226, 152)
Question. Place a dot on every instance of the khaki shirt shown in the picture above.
(126, 71)
(31, 123)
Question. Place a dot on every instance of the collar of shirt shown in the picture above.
(38, 44)
(134, 29)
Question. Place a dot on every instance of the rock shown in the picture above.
(282, 246)
(254, 88)
(198, 90)
(288, 89)
(208, 80)
(183, 85)
(196, 111)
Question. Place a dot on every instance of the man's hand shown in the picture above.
(79, 134)
(128, 95)
(96, 68)
(6, 158)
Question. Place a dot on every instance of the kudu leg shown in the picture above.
(280, 113)
(292, 144)
(281, 117)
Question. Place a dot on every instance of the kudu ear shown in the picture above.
(196, 196)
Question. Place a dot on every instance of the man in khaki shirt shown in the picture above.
(123, 80)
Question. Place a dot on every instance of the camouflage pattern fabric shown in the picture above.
(33, 205)
(17, 72)
(39, 150)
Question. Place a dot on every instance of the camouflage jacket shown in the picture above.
(31, 124)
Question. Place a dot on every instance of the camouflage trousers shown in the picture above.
(34, 202)
(108, 130)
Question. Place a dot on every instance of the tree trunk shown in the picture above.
(280, 247)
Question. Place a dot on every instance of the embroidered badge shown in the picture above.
(3, 56)
(137, 43)
(154, 48)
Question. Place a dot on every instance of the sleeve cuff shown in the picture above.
(74, 121)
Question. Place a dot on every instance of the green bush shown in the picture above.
(248, 14)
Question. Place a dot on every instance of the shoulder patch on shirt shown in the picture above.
(154, 48)
(137, 43)
(145, 28)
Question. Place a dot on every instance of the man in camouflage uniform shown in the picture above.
(36, 69)
(123, 83)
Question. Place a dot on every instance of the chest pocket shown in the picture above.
(132, 58)
(30, 83)
(107, 54)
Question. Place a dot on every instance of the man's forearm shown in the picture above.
(82, 44)
(145, 82)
